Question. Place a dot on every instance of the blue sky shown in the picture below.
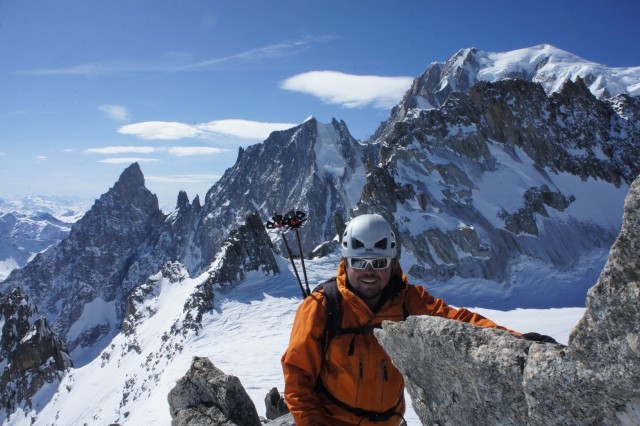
(87, 86)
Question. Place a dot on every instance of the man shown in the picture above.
(350, 379)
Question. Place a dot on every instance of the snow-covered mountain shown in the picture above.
(543, 64)
(32, 224)
(504, 194)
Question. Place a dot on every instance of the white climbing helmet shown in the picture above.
(368, 236)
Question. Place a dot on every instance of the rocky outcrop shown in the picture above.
(31, 354)
(207, 396)
(275, 405)
(457, 373)
(247, 248)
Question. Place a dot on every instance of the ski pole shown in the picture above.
(304, 269)
(295, 270)
(277, 225)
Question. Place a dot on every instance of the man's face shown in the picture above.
(369, 282)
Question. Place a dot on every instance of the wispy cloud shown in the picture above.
(245, 129)
(168, 130)
(115, 112)
(111, 150)
(163, 130)
(95, 68)
(195, 178)
(184, 151)
(348, 90)
(273, 51)
(178, 151)
(128, 160)
(169, 65)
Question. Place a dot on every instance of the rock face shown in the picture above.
(207, 396)
(247, 248)
(456, 372)
(31, 354)
(304, 168)
(443, 173)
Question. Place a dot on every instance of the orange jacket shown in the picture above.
(367, 379)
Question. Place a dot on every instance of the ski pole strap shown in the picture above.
(372, 416)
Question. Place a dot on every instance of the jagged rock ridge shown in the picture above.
(441, 171)
(31, 354)
(313, 167)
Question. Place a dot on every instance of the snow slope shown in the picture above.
(245, 335)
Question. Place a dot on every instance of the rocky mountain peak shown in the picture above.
(130, 190)
(96, 264)
(183, 200)
(309, 167)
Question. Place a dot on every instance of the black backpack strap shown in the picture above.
(372, 416)
(333, 305)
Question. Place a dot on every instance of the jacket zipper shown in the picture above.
(384, 376)
(360, 378)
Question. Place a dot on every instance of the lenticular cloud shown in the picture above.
(351, 91)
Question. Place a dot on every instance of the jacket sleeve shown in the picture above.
(302, 361)
(423, 303)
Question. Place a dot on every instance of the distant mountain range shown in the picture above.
(503, 174)
(32, 224)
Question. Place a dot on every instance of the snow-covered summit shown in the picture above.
(552, 67)
(545, 64)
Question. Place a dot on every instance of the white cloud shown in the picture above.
(166, 130)
(195, 178)
(41, 157)
(244, 128)
(348, 90)
(115, 112)
(183, 151)
(127, 160)
(110, 150)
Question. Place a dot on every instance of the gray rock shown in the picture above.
(286, 420)
(207, 396)
(31, 354)
(274, 402)
(457, 373)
